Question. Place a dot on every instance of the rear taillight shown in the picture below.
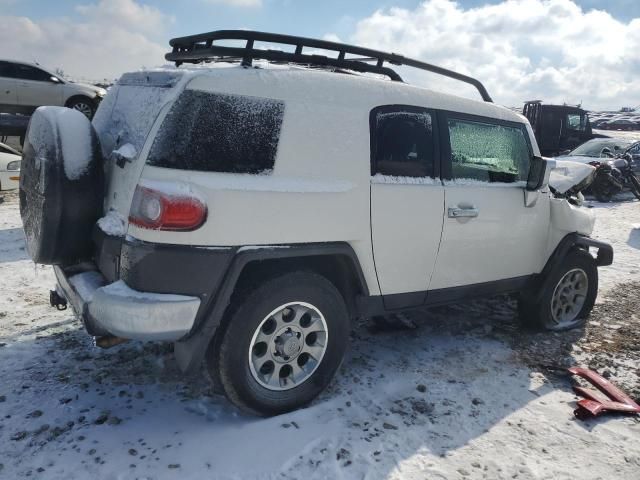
(160, 210)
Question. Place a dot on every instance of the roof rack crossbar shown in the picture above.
(201, 47)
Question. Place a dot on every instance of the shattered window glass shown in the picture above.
(488, 152)
(219, 133)
(403, 143)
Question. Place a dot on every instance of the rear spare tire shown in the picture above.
(61, 185)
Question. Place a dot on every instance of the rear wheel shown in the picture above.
(282, 344)
(567, 296)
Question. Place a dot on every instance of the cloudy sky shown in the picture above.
(557, 50)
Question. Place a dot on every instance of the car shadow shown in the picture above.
(12, 245)
(442, 379)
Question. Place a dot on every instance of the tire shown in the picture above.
(602, 194)
(635, 185)
(239, 372)
(540, 314)
(84, 105)
(61, 186)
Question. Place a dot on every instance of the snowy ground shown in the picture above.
(459, 396)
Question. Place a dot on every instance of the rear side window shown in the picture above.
(219, 133)
(6, 70)
(488, 152)
(402, 142)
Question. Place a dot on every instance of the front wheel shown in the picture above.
(567, 296)
(84, 106)
(282, 343)
(635, 185)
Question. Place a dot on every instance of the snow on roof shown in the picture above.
(291, 81)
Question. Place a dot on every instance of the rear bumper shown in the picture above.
(116, 309)
(9, 179)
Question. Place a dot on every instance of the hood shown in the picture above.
(91, 89)
(580, 158)
(569, 177)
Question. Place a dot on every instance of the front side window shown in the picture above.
(215, 132)
(26, 72)
(576, 121)
(488, 152)
(402, 142)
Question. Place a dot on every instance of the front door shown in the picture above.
(489, 233)
(406, 202)
(35, 87)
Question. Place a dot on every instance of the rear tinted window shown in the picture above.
(402, 141)
(219, 133)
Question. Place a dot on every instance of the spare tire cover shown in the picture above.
(61, 186)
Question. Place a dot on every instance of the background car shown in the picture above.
(25, 87)
(619, 124)
(597, 148)
(9, 167)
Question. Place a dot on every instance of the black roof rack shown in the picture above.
(200, 48)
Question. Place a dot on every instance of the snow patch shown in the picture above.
(114, 224)
(72, 136)
(473, 182)
(121, 289)
(261, 247)
(173, 189)
(254, 182)
(86, 284)
(392, 179)
(75, 139)
(126, 151)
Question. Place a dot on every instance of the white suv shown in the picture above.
(25, 87)
(250, 211)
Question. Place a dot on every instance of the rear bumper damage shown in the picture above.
(115, 309)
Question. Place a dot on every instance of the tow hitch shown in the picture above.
(57, 300)
(609, 398)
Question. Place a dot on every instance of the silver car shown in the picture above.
(25, 87)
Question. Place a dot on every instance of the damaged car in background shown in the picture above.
(617, 163)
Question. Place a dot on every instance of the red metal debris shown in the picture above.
(594, 402)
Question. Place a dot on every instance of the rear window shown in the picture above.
(219, 133)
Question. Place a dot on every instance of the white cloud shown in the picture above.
(520, 49)
(111, 37)
(237, 3)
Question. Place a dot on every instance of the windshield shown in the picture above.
(593, 148)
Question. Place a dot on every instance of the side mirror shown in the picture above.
(537, 174)
(54, 79)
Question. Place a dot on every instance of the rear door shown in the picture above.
(8, 96)
(489, 233)
(406, 201)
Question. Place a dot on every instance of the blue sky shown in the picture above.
(300, 17)
(557, 50)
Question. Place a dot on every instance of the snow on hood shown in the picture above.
(567, 174)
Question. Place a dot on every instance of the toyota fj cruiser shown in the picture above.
(247, 212)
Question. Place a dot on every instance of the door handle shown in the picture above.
(467, 212)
